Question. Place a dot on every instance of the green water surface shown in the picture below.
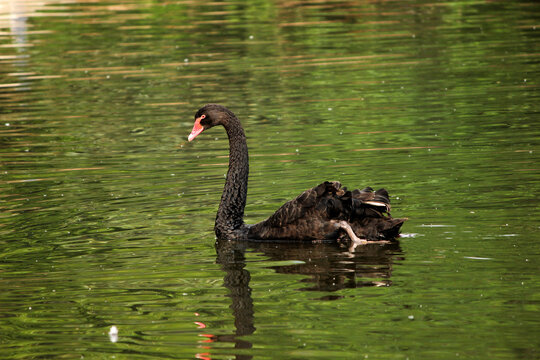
(106, 212)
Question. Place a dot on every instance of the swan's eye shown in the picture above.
(203, 120)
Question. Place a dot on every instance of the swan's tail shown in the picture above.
(391, 228)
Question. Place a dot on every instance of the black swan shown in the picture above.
(327, 211)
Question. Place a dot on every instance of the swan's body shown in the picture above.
(327, 211)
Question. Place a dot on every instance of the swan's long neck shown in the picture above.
(229, 218)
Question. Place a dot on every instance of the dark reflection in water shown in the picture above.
(328, 266)
(331, 268)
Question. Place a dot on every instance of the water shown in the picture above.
(107, 212)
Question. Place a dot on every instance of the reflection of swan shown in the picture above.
(233, 262)
(328, 267)
(331, 269)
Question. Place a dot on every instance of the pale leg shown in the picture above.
(355, 240)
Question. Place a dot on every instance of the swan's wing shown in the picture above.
(330, 201)
(296, 209)
(367, 198)
(313, 214)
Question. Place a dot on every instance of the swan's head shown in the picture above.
(209, 116)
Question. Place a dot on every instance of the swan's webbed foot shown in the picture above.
(355, 240)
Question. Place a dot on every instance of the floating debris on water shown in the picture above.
(113, 334)
(408, 235)
(436, 225)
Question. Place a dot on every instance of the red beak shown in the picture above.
(197, 129)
